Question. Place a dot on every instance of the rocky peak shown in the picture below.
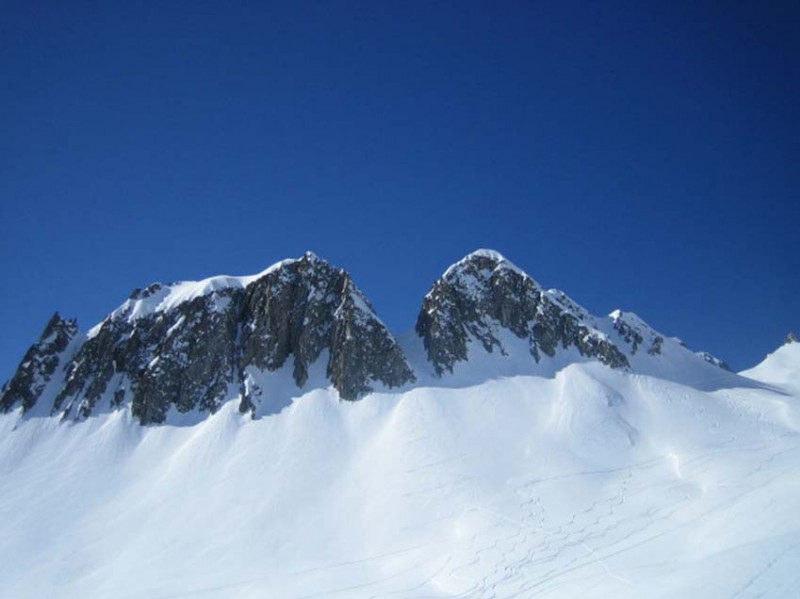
(483, 294)
(306, 307)
(791, 338)
(38, 365)
(194, 345)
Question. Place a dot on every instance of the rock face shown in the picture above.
(306, 307)
(184, 357)
(713, 360)
(192, 346)
(791, 338)
(483, 294)
(637, 334)
(38, 365)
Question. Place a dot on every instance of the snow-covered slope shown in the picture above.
(593, 483)
(781, 368)
(610, 462)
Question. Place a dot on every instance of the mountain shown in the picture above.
(484, 295)
(511, 446)
(192, 346)
(484, 304)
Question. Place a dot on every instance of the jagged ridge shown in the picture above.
(484, 293)
(195, 345)
(159, 351)
(38, 365)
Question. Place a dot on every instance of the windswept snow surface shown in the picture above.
(780, 368)
(586, 482)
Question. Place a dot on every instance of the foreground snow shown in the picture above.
(585, 483)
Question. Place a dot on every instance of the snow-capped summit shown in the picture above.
(194, 345)
(494, 257)
(484, 304)
(482, 296)
(160, 297)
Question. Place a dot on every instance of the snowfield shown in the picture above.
(580, 482)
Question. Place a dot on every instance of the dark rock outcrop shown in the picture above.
(636, 333)
(38, 366)
(634, 336)
(306, 307)
(713, 360)
(182, 357)
(483, 294)
(192, 346)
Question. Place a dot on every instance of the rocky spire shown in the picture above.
(791, 338)
(38, 366)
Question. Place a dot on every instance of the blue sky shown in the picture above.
(635, 155)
